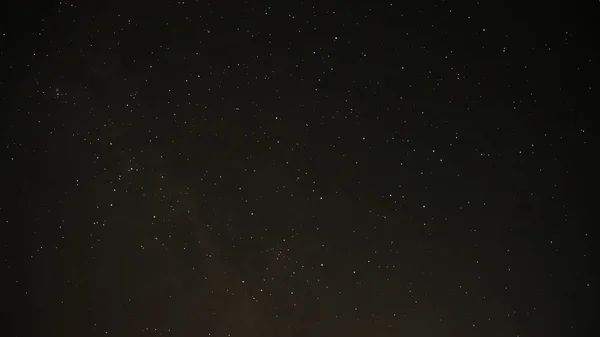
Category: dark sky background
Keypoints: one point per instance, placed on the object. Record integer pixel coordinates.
(321, 168)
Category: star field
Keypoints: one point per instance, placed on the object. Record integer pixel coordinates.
(187, 168)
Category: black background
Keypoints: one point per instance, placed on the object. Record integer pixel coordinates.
(324, 168)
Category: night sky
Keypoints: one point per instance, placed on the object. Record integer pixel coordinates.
(322, 169)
